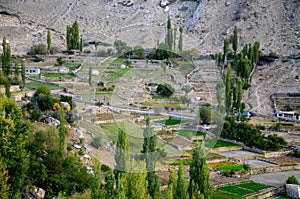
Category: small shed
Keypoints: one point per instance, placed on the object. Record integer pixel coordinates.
(32, 71)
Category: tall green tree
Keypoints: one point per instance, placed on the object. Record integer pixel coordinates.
(225, 50)
(68, 38)
(122, 153)
(13, 142)
(4, 186)
(182, 185)
(48, 40)
(180, 39)
(7, 89)
(136, 182)
(120, 191)
(90, 76)
(235, 40)
(151, 154)
(75, 36)
(172, 183)
(62, 132)
(228, 89)
(174, 39)
(169, 37)
(96, 192)
(199, 174)
(17, 73)
(23, 74)
(219, 94)
(81, 44)
(6, 58)
(110, 186)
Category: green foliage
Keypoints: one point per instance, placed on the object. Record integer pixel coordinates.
(199, 174)
(225, 49)
(23, 70)
(38, 49)
(72, 37)
(62, 132)
(7, 89)
(6, 58)
(165, 90)
(292, 180)
(205, 113)
(17, 73)
(48, 40)
(122, 153)
(180, 39)
(14, 134)
(122, 48)
(42, 91)
(228, 89)
(169, 35)
(4, 186)
(97, 141)
(60, 61)
(235, 40)
(139, 52)
(251, 137)
(162, 51)
(182, 185)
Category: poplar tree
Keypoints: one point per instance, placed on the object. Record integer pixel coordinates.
(68, 38)
(96, 180)
(122, 153)
(172, 183)
(81, 44)
(6, 54)
(219, 93)
(120, 192)
(151, 154)
(23, 74)
(199, 174)
(109, 186)
(174, 39)
(180, 39)
(225, 50)
(235, 40)
(7, 89)
(228, 89)
(90, 76)
(17, 73)
(48, 41)
(169, 37)
(182, 185)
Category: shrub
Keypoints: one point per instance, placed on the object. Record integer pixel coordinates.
(42, 90)
(38, 49)
(292, 180)
(54, 50)
(60, 61)
(97, 142)
(35, 115)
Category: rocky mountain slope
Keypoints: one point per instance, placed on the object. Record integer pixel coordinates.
(274, 23)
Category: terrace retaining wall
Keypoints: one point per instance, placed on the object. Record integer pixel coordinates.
(269, 193)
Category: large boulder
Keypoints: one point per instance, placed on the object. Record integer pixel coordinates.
(293, 190)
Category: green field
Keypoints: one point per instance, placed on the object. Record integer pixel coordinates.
(58, 76)
(186, 133)
(218, 143)
(35, 85)
(164, 98)
(172, 122)
(224, 195)
(226, 166)
(243, 189)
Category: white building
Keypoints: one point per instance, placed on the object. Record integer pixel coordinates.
(288, 115)
(32, 71)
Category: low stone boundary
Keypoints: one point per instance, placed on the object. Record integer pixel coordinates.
(266, 193)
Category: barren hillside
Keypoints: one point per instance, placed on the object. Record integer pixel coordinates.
(274, 23)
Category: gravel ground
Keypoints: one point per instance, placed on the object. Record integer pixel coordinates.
(275, 179)
(238, 153)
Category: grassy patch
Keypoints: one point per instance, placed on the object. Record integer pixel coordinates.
(58, 76)
(187, 133)
(211, 156)
(172, 122)
(164, 98)
(287, 164)
(35, 85)
(185, 162)
(226, 166)
(224, 195)
(236, 190)
(166, 105)
(218, 143)
(243, 189)
(253, 186)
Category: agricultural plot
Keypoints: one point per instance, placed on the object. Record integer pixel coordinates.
(188, 133)
(243, 189)
(218, 143)
(34, 85)
(226, 166)
(171, 122)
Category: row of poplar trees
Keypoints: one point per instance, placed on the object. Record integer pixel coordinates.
(6, 77)
(243, 63)
(73, 40)
(136, 179)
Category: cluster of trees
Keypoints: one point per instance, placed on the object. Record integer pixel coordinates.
(74, 42)
(243, 63)
(165, 90)
(6, 77)
(251, 137)
(123, 49)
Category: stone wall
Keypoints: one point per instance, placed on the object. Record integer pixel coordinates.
(293, 190)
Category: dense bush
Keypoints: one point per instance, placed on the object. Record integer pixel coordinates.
(251, 137)
(165, 90)
(292, 180)
(38, 49)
